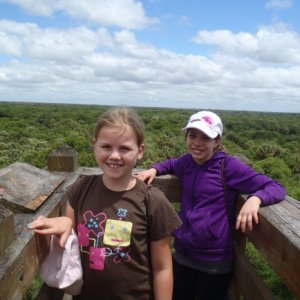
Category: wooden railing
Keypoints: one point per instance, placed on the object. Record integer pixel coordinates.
(276, 237)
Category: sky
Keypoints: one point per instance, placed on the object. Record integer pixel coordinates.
(214, 54)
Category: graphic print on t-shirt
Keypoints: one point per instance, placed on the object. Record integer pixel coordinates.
(117, 233)
(102, 238)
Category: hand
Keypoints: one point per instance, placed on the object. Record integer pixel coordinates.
(248, 212)
(148, 176)
(61, 226)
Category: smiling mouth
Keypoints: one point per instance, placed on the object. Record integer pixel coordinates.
(198, 151)
(113, 166)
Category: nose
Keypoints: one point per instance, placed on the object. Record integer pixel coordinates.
(114, 154)
(198, 140)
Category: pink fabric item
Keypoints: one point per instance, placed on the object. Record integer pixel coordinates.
(62, 267)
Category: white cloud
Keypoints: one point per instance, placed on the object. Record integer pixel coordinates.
(41, 8)
(127, 14)
(280, 4)
(274, 44)
(29, 40)
(227, 40)
(100, 65)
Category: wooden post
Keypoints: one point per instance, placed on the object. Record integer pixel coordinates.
(6, 228)
(63, 159)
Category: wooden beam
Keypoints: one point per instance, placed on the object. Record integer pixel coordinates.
(247, 281)
(21, 259)
(6, 228)
(277, 237)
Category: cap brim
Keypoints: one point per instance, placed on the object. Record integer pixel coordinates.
(206, 130)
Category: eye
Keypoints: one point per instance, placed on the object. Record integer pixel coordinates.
(206, 138)
(105, 147)
(125, 149)
(191, 135)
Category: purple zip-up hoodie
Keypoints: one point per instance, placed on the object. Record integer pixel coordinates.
(206, 233)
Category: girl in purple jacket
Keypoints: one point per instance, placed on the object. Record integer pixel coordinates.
(203, 258)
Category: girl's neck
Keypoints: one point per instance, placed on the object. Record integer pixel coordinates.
(119, 185)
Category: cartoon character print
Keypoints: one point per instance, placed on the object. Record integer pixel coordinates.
(116, 238)
(117, 233)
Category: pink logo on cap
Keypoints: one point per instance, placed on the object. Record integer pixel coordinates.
(208, 120)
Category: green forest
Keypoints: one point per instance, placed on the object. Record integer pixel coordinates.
(269, 141)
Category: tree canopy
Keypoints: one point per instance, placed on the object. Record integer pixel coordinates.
(270, 141)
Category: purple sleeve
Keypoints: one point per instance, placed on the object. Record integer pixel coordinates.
(171, 166)
(165, 167)
(246, 180)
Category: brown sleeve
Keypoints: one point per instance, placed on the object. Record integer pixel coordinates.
(162, 217)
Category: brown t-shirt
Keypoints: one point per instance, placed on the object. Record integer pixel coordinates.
(114, 230)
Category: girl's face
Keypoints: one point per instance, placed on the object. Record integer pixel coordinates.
(200, 145)
(116, 153)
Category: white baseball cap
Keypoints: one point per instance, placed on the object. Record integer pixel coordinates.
(207, 122)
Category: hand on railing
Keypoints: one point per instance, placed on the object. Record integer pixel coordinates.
(60, 226)
(147, 176)
(248, 213)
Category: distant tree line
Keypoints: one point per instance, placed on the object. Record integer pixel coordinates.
(270, 141)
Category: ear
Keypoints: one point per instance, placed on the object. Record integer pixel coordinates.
(93, 142)
(141, 151)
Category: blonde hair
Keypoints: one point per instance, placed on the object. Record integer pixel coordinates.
(121, 117)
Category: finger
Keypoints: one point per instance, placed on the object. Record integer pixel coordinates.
(243, 224)
(38, 222)
(44, 231)
(249, 224)
(63, 240)
(255, 217)
(238, 222)
(150, 180)
(35, 225)
(243, 227)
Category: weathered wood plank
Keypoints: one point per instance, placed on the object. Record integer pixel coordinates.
(277, 238)
(6, 228)
(22, 258)
(25, 188)
(63, 159)
(247, 280)
(170, 186)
